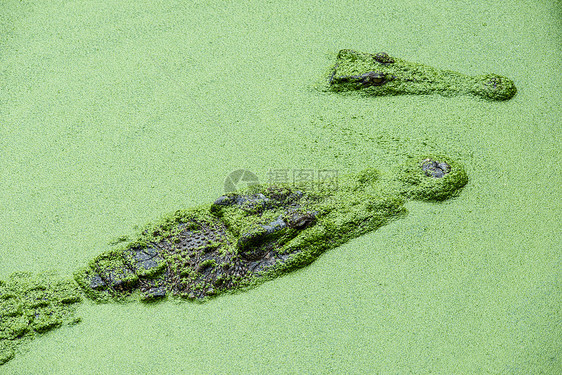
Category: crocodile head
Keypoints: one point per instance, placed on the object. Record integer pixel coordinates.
(381, 74)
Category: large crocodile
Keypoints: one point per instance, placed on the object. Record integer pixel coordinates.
(240, 240)
(381, 74)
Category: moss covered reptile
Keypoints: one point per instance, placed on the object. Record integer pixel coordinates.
(380, 74)
(240, 240)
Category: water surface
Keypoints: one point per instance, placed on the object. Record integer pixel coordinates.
(113, 113)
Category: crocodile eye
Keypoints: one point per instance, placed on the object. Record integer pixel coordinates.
(383, 58)
(373, 79)
(377, 78)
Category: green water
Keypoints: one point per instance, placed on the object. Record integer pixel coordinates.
(113, 113)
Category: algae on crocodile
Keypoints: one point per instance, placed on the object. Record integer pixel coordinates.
(33, 304)
(247, 237)
(239, 241)
(380, 74)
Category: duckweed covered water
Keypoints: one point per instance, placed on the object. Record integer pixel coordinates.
(113, 114)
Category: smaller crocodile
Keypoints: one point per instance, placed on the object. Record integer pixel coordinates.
(380, 74)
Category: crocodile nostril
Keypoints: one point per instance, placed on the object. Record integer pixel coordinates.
(435, 169)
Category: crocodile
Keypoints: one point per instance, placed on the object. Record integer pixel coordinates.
(380, 74)
(239, 241)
